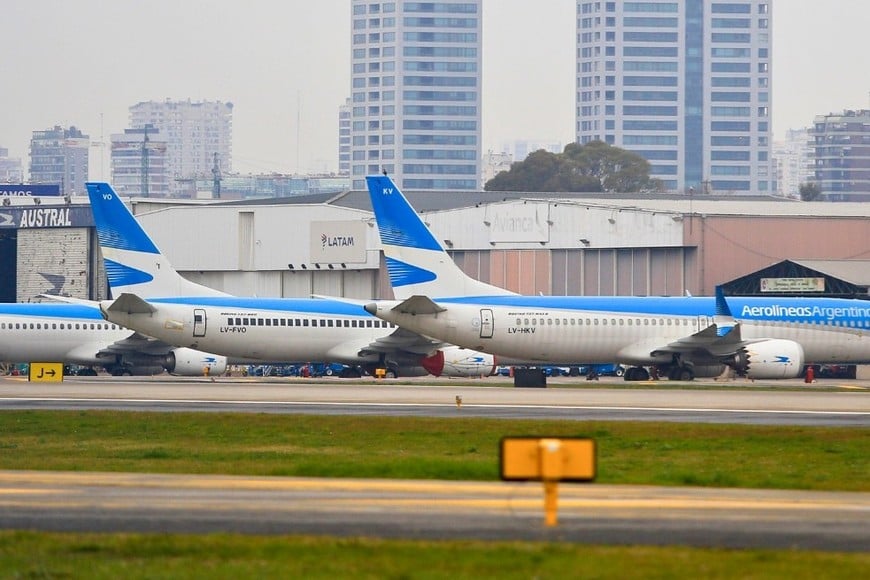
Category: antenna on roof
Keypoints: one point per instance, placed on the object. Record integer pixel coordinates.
(384, 171)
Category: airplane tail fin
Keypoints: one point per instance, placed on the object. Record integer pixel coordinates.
(416, 261)
(133, 263)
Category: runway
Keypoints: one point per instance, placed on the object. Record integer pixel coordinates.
(588, 513)
(480, 398)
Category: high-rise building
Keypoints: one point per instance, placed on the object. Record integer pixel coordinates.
(60, 156)
(11, 170)
(344, 138)
(415, 93)
(686, 84)
(841, 145)
(194, 132)
(139, 163)
(793, 159)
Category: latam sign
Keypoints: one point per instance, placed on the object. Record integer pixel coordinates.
(333, 242)
(29, 190)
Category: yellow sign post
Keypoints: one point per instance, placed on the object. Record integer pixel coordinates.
(550, 460)
(45, 372)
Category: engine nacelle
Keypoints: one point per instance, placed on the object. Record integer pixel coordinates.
(188, 362)
(771, 359)
(455, 361)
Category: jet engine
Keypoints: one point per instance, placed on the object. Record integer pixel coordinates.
(770, 359)
(188, 362)
(454, 361)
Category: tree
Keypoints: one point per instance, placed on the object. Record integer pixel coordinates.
(593, 167)
(810, 191)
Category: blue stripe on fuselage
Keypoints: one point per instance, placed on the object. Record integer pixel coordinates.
(48, 310)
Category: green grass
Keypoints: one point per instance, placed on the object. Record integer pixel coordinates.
(751, 456)
(132, 556)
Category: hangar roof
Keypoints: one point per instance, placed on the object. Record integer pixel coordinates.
(843, 278)
(855, 272)
(424, 201)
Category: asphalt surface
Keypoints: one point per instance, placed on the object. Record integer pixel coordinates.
(569, 399)
(588, 513)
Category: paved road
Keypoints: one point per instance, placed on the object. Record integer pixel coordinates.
(590, 513)
(752, 404)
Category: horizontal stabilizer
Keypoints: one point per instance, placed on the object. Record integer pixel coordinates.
(418, 305)
(69, 300)
(130, 304)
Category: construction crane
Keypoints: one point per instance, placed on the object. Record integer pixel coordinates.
(216, 178)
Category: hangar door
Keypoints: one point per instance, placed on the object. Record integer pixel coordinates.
(52, 261)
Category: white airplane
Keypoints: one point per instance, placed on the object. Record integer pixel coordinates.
(684, 337)
(153, 298)
(78, 334)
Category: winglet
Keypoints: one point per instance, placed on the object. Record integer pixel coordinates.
(722, 308)
(133, 262)
(724, 319)
(417, 263)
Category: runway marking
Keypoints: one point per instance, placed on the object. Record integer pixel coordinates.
(293, 493)
(432, 405)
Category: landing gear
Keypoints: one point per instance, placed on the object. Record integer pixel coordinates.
(681, 373)
(635, 374)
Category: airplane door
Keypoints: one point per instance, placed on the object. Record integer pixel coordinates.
(485, 323)
(198, 322)
(704, 322)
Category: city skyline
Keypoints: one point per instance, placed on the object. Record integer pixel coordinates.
(287, 63)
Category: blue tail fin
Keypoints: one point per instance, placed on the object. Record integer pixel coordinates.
(417, 263)
(134, 264)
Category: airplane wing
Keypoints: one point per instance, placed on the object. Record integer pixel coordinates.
(137, 343)
(708, 342)
(402, 341)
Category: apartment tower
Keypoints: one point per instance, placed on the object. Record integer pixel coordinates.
(684, 84)
(415, 93)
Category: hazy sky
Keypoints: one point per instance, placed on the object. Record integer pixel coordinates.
(286, 68)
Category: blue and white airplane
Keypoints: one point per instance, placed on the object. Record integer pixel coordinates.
(153, 298)
(78, 334)
(684, 337)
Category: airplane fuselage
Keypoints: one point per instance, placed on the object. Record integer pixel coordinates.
(631, 330)
(274, 330)
(55, 333)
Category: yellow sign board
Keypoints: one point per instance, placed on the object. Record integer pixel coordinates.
(547, 459)
(45, 372)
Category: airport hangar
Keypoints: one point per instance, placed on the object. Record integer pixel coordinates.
(559, 244)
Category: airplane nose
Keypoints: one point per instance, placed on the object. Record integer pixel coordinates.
(371, 308)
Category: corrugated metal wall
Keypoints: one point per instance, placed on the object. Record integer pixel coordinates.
(53, 260)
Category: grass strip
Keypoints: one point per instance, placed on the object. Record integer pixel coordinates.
(749, 456)
(132, 556)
